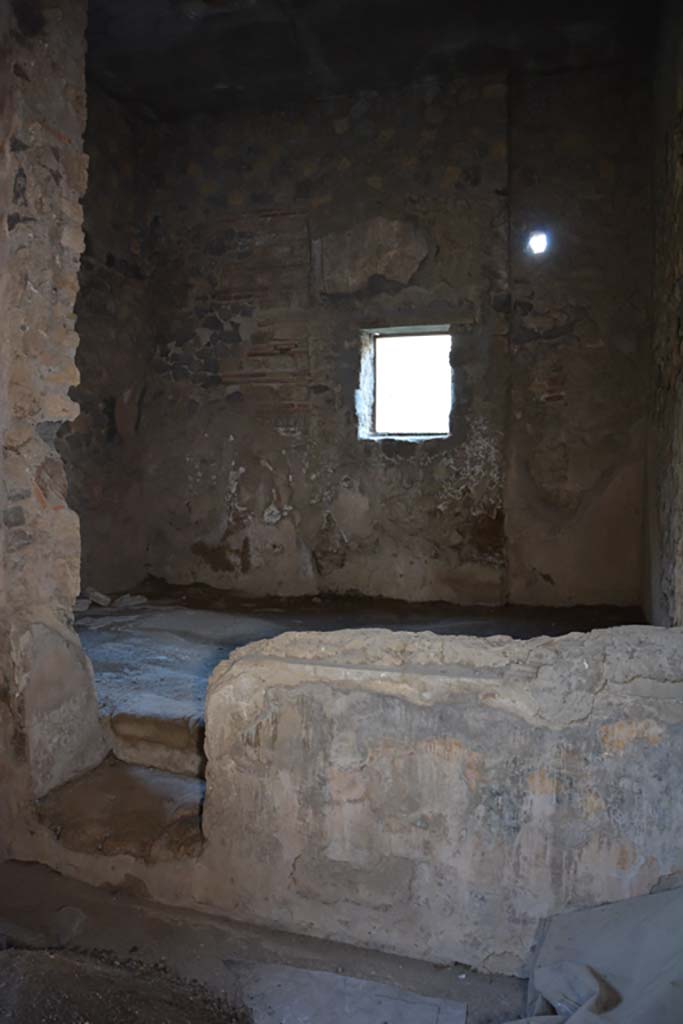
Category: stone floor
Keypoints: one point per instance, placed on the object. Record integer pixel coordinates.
(50, 987)
(152, 664)
(292, 996)
(280, 978)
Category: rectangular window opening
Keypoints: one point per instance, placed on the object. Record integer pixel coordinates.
(406, 384)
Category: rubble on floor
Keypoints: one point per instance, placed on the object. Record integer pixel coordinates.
(48, 987)
(130, 601)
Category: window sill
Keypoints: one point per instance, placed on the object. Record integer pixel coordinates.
(410, 438)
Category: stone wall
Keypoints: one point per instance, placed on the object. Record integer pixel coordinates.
(10, 787)
(665, 449)
(280, 237)
(115, 315)
(265, 243)
(579, 337)
(48, 716)
(438, 796)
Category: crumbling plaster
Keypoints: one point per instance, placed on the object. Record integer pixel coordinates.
(301, 234)
(266, 243)
(438, 796)
(49, 727)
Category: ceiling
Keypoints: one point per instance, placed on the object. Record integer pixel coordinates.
(174, 57)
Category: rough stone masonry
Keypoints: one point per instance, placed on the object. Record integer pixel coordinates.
(49, 728)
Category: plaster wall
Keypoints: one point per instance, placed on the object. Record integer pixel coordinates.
(580, 334)
(285, 242)
(49, 728)
(115, 313)
(265, 243)
(439, 796)
(664, 594)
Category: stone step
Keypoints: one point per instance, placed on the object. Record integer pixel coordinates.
(122, 808)
(157, 741)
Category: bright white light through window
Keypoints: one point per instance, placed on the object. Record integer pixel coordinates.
(413, 389)
(538, 242)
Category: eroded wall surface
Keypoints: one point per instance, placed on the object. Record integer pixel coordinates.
(265, 243)
(438, 796)
(48, 712)
(580, 335)
(116, 315)
(9, 789)
(665, 448)
(281, 237)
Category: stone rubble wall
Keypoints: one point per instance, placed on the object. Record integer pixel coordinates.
(49, 728)
(437, 796)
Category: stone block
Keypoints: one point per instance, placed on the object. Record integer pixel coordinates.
(62, 726)
(438, 796)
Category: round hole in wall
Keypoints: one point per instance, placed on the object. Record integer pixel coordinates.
(537, 243)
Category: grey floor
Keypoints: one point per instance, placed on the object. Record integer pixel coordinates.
(289, 995)
(281, 978)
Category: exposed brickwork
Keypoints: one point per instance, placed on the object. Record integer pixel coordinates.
(255, 479)
(260, 213)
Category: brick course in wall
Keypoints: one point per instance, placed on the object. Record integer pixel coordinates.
(268, 242)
